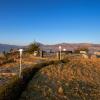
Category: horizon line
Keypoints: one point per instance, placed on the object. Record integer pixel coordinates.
(51, 43)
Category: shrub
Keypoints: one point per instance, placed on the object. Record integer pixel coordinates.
(33, 47)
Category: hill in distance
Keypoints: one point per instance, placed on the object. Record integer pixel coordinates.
(55, 47)
(7, 47)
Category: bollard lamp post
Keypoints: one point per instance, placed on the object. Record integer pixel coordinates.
(64, 49)
(60, 51)
(20, 67)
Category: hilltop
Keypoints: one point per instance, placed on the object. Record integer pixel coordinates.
(74, 79)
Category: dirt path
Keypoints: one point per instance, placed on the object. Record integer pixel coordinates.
(14, 91)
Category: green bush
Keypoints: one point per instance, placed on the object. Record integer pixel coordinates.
(33, 47)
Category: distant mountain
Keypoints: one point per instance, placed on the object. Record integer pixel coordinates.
(55, 47)
(71, 46)
(7, 47)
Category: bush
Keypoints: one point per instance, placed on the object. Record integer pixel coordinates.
(33, 47)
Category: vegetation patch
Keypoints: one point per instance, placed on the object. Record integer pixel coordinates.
(15, 86)
(78, 79)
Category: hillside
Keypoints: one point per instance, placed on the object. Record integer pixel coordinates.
(7, 47)
(74, 79)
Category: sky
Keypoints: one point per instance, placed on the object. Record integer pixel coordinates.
(49, 21)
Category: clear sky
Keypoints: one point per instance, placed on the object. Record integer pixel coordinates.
(49, 21)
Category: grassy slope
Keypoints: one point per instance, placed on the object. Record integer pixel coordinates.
(78, 79)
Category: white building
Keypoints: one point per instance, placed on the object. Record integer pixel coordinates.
(97, 53)
(83, 52)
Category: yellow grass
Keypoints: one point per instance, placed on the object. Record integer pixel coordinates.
(77, 79)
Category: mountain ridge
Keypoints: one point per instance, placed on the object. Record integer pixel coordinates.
(7, 47)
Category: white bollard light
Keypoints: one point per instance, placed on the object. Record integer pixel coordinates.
(64, 49)
(20, 69)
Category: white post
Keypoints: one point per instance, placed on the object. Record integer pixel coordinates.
(60, 51)
(20, 69)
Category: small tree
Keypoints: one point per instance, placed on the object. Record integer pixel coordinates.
(34, 47)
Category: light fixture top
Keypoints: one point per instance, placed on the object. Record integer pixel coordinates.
(64, 49)
(59, 47)
(20, 50)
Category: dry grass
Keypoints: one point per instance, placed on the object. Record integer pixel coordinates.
(8, 70)
(78, 79)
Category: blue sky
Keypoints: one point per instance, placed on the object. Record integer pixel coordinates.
(49, 21)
